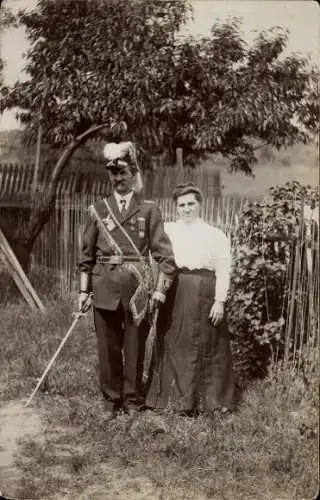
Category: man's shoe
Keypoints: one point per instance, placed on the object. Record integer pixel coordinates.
(111, 409)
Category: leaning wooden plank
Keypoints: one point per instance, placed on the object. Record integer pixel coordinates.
(20, 277)
(17, 279)
(18, 274)
(22, 282)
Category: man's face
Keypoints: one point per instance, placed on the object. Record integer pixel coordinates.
(188, 208)
(122, 179)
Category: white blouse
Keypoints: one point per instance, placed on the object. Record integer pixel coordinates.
(198, 245)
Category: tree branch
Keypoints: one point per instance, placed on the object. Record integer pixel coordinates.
(42, 214)
(262, 145)
(69, 150)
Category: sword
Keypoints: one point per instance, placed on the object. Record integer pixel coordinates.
(77, 316)
(149, 345)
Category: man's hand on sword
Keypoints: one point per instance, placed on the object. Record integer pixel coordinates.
(84, 301)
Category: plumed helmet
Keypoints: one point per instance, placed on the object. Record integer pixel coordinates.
(120, 154)
(111, 151)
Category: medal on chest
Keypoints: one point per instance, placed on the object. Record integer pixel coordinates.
(133, 223)
(108, 222)
(141, 226)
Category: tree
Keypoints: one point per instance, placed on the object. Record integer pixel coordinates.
(7, 19)
(94, 64)
(237, 99)
(81, 62)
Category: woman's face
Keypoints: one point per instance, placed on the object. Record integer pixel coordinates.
(188, 208)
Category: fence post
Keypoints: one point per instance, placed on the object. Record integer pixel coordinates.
(66, 237)
(36, 171)
(179, 161)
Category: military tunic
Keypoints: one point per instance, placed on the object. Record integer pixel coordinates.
(120, 336)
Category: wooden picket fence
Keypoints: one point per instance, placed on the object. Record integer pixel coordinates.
(82, 182)
(58, 245)
(92, 179)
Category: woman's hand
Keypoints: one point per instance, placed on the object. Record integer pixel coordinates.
(216, 313)
(157, 299)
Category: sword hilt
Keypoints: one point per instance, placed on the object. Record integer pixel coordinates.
(83, 311)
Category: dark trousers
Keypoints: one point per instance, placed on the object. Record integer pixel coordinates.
(121, 346)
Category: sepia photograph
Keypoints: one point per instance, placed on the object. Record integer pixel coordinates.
(159, 249)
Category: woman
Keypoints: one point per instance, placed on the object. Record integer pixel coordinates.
(192, 365)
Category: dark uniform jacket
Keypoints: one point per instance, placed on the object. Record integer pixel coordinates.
(112, 283)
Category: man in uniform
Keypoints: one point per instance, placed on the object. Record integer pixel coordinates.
(120, 234)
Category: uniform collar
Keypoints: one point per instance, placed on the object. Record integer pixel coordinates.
(132, 207)
(126, 197)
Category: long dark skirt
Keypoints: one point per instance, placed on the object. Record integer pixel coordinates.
(192, 361)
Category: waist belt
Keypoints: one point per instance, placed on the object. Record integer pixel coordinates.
(119, 259)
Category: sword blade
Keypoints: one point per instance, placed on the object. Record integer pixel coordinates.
(149, 346)
(64, 340)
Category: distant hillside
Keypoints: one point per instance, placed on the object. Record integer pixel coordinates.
(12, 150)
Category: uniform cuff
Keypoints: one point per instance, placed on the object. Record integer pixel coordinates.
(85, 282)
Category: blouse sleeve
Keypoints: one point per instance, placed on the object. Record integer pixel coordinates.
(222, 266)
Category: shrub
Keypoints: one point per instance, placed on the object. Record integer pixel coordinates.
(272, 300)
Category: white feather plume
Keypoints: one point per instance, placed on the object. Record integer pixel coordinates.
(138, 185)
(125, 147)
(112, 151)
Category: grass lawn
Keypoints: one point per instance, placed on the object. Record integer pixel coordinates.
(267, 450)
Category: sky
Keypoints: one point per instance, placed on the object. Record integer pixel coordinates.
(301, 17)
